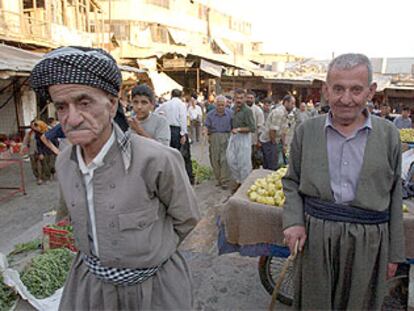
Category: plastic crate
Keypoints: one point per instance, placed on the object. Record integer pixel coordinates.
(58, 238)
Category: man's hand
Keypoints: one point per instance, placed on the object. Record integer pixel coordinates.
(41, 157)
(235, 130)
(391, 269)
(292, 234)
(135, 124)
(183, 140)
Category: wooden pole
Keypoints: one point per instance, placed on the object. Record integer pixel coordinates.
(17, 101)
(198, 80)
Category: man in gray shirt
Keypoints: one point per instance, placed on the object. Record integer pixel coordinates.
(403, 121)
(146, 123)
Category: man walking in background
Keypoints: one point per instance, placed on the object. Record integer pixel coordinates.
(218, 124)
(273, 138)
(239, 149)
(403, 121)
(175, 111)
(196, 115)
(258, 117)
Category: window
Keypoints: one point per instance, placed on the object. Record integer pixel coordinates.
(31, 4)
(161, 3)
(159, 34)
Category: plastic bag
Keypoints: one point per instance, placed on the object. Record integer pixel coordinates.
(238, 156)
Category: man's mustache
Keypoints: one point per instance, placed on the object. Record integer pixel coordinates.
(69, 129)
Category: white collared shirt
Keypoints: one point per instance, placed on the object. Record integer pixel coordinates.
(176, 113)
(87, 172)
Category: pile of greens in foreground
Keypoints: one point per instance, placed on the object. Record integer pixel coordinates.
(47, 272)
(7, 296)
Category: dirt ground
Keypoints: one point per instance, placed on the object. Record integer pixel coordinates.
(229, 282)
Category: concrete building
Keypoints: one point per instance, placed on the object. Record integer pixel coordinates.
(142, 26)
(45, 24)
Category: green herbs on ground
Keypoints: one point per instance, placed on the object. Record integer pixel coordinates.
(201, 172)
(47, 272)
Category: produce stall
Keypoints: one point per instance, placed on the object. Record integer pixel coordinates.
(255, 229)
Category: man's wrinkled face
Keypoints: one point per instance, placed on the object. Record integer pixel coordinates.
(239, 99)
(84, 112)
(266, 107)
(220, 106)
(250, 99)
(142, 106)
(347, 92)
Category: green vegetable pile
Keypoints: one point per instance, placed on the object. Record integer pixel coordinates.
(201, 172)
(47, 272)
(26, 247)
(7, 296)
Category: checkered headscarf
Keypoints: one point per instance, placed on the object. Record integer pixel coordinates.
(76, 65)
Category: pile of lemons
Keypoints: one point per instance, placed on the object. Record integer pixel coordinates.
(268, 190)
(407, 135)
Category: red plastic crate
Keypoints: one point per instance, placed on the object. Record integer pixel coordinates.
(58, 238)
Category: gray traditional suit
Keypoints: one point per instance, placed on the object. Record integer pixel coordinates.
(343, 265)
(144, 208)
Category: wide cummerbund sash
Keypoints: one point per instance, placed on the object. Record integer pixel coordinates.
(117, 276)
(343, 213)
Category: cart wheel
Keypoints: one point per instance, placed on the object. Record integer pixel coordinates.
(269, 270)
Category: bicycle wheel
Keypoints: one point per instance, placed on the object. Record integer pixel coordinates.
(269, 270)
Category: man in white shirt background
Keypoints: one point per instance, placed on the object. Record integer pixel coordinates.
(175, 111)
(196, 115)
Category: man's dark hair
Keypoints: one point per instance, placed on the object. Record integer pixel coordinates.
(287, 98)
(405, 108)
(50, 120)
(267, 100)
(194, 95)
(143, 90)
(176, 93)
(250, 92)
(239, 91)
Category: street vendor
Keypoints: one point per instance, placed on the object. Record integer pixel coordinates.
(343, 197)
(129, 199)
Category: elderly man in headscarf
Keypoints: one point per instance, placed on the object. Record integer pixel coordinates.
(128, 197)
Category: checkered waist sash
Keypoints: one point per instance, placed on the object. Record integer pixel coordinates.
(118, 276)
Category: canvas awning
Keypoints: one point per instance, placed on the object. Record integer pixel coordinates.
(222, 46)
(17, 61)
(162, 83)
(213, 69)
(179, 37)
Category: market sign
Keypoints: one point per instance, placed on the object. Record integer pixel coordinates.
(173, 63)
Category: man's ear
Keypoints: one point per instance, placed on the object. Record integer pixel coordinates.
(325, 90)
(372, 90)
(114, 105)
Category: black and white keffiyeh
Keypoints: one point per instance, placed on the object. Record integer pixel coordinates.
(76, 65)
(118, 276)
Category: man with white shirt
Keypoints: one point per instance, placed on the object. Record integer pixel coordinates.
(128, 197)
(175, 111)
(196, 115)
(259, 121)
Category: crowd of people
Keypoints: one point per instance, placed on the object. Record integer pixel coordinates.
(126, 181)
